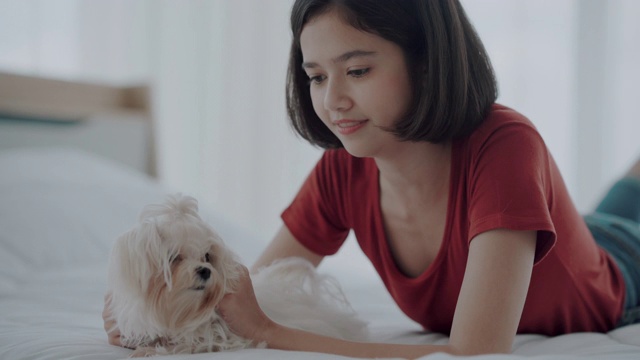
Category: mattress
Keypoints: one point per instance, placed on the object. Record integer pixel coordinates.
(61, 210)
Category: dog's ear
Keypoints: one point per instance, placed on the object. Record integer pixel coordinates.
(136, 257)
(226, 262)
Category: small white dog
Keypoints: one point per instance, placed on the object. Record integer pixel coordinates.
(167, 275)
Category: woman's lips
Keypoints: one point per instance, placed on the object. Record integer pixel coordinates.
(349, 126)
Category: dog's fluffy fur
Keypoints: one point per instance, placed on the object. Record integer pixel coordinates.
(167, 275)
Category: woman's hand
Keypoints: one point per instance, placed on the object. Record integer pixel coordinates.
(242, 313)
(110, 326)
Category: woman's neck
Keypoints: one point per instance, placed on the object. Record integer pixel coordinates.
(416, 169)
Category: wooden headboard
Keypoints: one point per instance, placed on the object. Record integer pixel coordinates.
(111, 121)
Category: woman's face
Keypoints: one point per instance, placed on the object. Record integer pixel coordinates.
(359, 82)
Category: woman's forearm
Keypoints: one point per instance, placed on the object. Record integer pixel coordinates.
(284, 338)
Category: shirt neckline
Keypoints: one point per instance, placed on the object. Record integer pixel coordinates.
(390, 264)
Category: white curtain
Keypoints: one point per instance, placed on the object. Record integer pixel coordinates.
(218, 70)
(571, 67)
(220, 98)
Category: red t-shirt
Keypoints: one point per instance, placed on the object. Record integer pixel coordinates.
(502, 176)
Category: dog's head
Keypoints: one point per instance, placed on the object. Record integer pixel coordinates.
(169, 272)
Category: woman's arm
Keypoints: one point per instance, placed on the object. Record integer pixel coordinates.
(487, 313)
(283, 245)
(244, 316)
(493, 292)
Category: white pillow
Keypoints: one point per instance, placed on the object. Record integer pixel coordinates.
(65, 207)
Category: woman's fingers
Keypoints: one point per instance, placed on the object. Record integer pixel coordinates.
(241, 311)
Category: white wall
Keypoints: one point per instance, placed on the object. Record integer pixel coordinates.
(218, 71)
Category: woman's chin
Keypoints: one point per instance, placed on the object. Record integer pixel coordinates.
(358, 151)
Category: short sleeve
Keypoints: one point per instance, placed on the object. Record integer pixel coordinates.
(317, 217)
(510, 184)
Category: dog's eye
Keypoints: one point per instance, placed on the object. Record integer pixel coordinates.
(207, 258)
(174, 259)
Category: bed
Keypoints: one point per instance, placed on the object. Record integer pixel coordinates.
(64, 202)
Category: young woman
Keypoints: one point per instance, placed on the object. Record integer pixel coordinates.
(454, 199)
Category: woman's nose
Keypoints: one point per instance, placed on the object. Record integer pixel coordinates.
(336, 97)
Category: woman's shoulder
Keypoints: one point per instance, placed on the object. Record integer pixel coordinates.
(502, 120)
(501, 116)
(504, 133)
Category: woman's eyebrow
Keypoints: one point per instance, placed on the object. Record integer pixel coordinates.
(342, 58)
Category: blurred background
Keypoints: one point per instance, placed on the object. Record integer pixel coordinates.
(217, 73)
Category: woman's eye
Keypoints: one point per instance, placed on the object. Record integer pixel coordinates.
(318, 79)
(359, 72)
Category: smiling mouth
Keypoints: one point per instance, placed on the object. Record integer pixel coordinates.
(345, 123)
(198, 288)
(346, 127)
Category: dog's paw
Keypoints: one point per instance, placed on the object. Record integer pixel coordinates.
(146, 351)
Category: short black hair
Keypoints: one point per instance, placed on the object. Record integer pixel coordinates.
(452, 78)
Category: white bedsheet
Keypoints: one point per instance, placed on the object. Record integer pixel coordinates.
(60, 211)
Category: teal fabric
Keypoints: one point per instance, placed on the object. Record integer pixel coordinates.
(615, 225)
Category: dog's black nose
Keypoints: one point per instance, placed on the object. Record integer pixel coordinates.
(203, 272)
